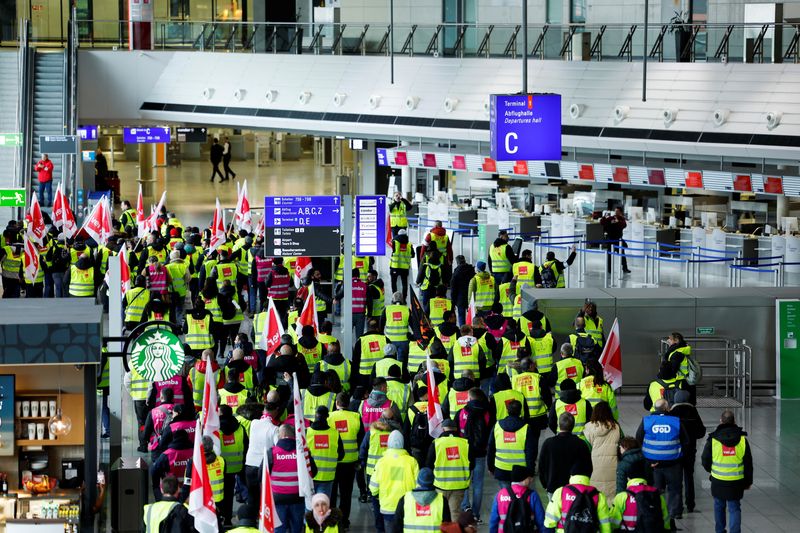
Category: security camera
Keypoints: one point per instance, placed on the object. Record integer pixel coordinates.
(450, 104)
(239, 94)
(338, 99)
(773, 119)
(411, 103)
(271, 96)
(620, 112)
(669, 115)
(208, 93)
(374, 101)
(304, 97)
(575, 111)
(720, 116)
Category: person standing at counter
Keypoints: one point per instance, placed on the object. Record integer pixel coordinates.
(614, 225)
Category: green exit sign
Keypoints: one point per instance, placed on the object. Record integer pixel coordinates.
(705, 331)
(10, 139)
(12, 197)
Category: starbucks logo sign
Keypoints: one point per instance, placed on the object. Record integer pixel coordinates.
(157, 354)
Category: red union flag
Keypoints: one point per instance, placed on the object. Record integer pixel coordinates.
(210, 413)
(31, 259)
(217, 229)
(611, 358)
(63, 218)
(308, 316)
(268, 519)
(98, 224)
(140, 220)
(471, 311)
(201, 499)
(242, 217)
(271, 331)
(435, 415)
(301, 269)
(36, 226)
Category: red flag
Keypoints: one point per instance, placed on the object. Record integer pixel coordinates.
(140, 220)
(151, 224)
(308, 316)
(435, 415)
(97, 224)
(242, 217)
(63, 218)
(268, 517)
(306, 488)
(217, 229)
(36, 227)
(31, 259)
(271, 330)
(471, 311)
(125, 271)
(210, 413)
(260, 228)
(611, 358)
(301, 268)
(201, 499)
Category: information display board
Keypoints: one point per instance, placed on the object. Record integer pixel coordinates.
(302, 225)
(192, 135)
(146, 135)
(87, 133)
(58, 144)
(370, 225)
(525, 126)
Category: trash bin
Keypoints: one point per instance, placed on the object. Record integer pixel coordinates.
(129, 492)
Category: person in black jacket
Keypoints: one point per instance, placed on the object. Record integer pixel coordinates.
(563, 455)
(631, 463)
(216, 159)
(614, 225)
(512, 423)
(476, 424)
(728, 437)
(690, 419)
(459, 287)
(178, 520)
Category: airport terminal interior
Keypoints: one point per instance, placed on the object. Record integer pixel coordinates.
(550, 248)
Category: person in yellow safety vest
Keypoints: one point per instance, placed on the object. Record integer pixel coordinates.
(568, 367)
(310, 348)
(128, 217)
(374, 445)
(439, 305)
(11, 256)
(139, 389)
(482, 288)
(677, 354)
(513, 442)
(431, 275)
(422, 509)
(351, 433)
(385, 364)
(247, 515)
(552, 270)
(225, 270)
(101, 256)
(438, 236)
(398, 391)
(395, 319)
(448, 332)
(501, 258)
(179, 283)
(169, 514)
(400, 262)
(322, 518)
(215, 465)
(174, 238)
(234, 441)
(727, 457)
(467, 354)
(395, 474)
(324, 336)
(458, 396)
(525, 273)
(452, 461)
(583, 344)
(237, 361)
(81, 278)
(570, 401)
(208, 266)
(506, 298)
(134, 303)
(531, 316)
(232, 315)
(35, 289)
(503, 395)
(512, 341)
(197, 376)
(398, 213)
(593, 323)
(376, 296)
(557, 511)
(595, 389)
(327, 449)
(536, 392)
(367, 350)
(233, 393)
(335, 361)
(318, 394)
(664, 386)
(541, 343)
(198, 326)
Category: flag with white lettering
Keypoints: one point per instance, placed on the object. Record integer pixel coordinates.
(435, 414)
(63, 218)
(201, 497)
(271, 331)
(242, 216)
(306, 488)
(210, 413)
(31, 260)
(141, 222)
(308, 316)
(611, 358)
(36, 227)
(268, 516)
(217, 238)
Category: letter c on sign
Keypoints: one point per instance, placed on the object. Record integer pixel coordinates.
(509, 148)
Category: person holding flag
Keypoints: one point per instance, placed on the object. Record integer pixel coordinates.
(11, 258)
(33, 269)
(62, 215)
(202, 496)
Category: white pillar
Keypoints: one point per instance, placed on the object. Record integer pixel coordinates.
(405, 177)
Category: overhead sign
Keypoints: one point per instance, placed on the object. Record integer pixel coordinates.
(58, 144)
(10, 139)
(192, 135)
(525, 127)
(148, 134)
(12, 198)
(87, 133)
(370, 225)
(157, 355)
(706, 330)
(302, 225)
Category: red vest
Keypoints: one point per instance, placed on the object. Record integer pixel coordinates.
(158, 278)
(370, 414)
(187, 425)
(158, 415)
(567, 497)
(175, 383)
(263, 266)
(178, 459)
(629, 515)
(279, 289)
(359, 296)
(504, 502)
(284, 471)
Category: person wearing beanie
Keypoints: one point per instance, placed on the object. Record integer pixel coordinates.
(318, 394)
(351, 432)
(513, 442)
(502, 395)
(395, 318)
(312, 350)
(482, 289)
(422, 507)
(570, 401)
(459, 288)
(666, 386)
(521, 480)
(395, 474)
(382, 366)
(322, 517)
(452, 461)
(325, 446)
(248, 519)
(690, 419)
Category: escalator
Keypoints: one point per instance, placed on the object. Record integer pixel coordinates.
(9, 120)
(49, 108)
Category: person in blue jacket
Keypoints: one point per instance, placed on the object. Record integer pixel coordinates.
(521, 480)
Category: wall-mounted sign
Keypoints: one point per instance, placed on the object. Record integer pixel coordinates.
(525, 126)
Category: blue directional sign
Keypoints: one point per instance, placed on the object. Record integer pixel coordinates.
(525, 127)
(370, 225)
(302, 225)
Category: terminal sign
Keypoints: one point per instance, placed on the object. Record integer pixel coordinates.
(525, 127)
(302, 225)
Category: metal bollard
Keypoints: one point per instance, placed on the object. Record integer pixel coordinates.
(687, 273)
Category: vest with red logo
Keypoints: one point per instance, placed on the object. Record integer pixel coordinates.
(568, 496)
(178, 459)
(175, 383)
(359, 296)
(629, 514)
(279, 288)
(504, 502)
(158, 278)
(189, 426)
(284, 471)
(263, 266)
(252, 360)
(158, 416)
(370, 414)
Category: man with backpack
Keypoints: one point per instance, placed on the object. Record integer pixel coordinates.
(640, 507)
(578, 507)
(419, 437)
(552, 270)
(663, 439)
(519, 508)
(583, 344)
(679, 356)
(664, 387)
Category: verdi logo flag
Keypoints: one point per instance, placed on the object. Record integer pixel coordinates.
(157, 355)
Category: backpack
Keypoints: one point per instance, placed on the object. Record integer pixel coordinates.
(582, 514)
(419, 437)
(549, 280)
(669, 390)
(585, 348)
(695, 373)
(649, 516)
(476, 430)
(519, 517)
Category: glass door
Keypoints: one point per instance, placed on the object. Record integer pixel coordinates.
(455, 12)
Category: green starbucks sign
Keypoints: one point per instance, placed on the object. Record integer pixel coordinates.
(157, 354)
